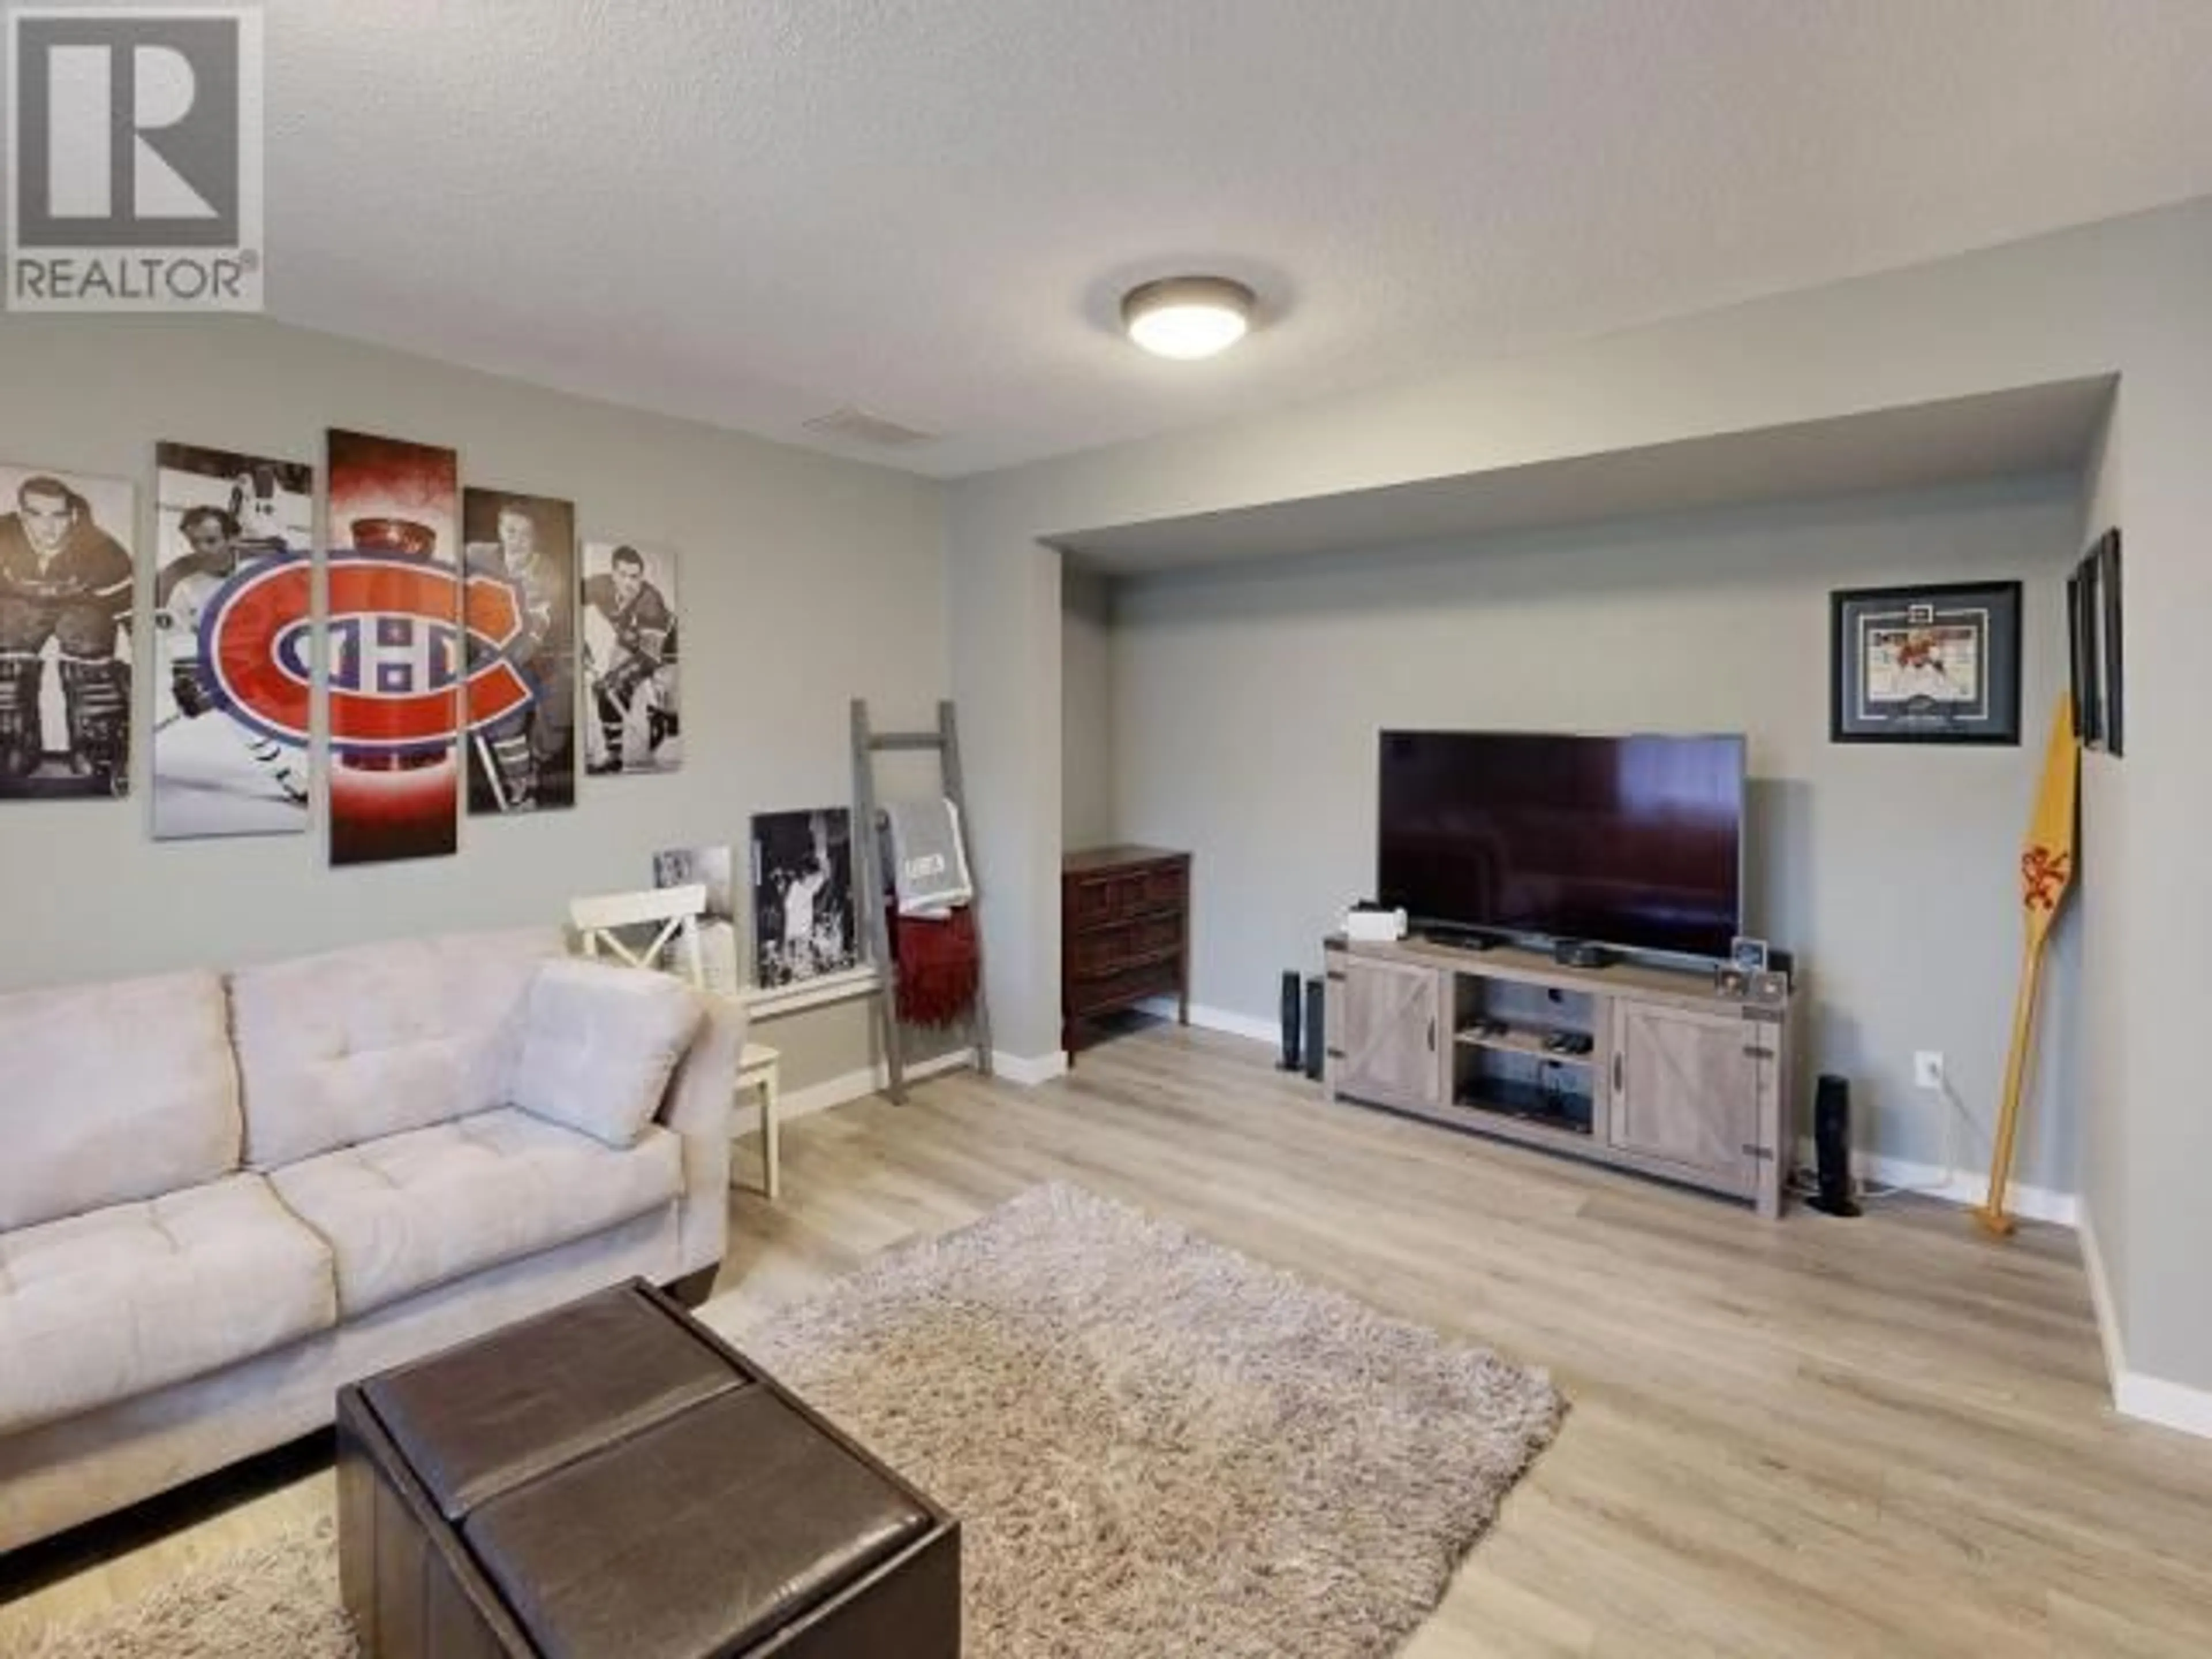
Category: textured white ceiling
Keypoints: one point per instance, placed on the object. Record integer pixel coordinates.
(755, 212)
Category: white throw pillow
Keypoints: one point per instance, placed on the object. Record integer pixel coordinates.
(598, 1044)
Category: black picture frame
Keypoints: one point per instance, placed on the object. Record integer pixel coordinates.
(2094, 612)
(2074, 650)
(1888, 679)
(805, 924)
(2082, 639)
(2111, 655)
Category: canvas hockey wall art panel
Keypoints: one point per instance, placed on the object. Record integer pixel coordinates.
(66, 577)
(233, 634)
(395, 652)
(633, 719)
(523, 759)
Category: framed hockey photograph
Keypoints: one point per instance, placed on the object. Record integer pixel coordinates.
(1930, 664)
(803, 922)
(395, 614)
(633, 715)
(522, 758)
(233, 637)
(66, 582)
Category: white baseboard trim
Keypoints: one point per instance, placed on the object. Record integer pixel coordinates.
(2148, 1399)
(2101, 1298)
(2032, 1203)
(1956, 1186)
(1269, 1031)
(2169, 1404)
(851, 1086)
(859, 1085)
(1030, 1070)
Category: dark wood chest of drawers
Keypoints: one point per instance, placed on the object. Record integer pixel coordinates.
(1124, 934)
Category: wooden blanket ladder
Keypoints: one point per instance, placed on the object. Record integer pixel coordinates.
(872, 880)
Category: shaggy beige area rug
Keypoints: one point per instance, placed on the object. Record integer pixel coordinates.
(279, 1599)
(1156, 1446)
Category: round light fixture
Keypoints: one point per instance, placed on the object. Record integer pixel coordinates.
(1187, 317)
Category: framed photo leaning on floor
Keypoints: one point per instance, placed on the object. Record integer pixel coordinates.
(1938, 663)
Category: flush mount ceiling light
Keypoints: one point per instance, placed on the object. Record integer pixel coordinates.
(1187, 317)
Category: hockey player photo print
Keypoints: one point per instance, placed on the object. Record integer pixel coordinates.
(803, 922)
(631, 717)
(526, 760)
(65, 592)
(233, 602)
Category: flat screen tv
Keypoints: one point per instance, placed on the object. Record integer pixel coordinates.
(1631, 842)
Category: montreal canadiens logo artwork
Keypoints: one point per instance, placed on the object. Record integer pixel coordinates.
(401, 647)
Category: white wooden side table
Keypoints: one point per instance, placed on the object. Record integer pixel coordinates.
(757, 1070)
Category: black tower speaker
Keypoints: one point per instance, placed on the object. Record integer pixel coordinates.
(1293, 1001)
(1317, 1033)
(1831, 1147)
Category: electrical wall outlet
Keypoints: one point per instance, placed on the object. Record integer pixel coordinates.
(1927, 1069)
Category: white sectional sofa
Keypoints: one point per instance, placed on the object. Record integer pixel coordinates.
(221, 1197)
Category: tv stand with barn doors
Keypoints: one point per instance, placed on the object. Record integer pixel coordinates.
(1642, 1067)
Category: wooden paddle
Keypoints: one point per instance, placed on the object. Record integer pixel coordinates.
(2046, 876)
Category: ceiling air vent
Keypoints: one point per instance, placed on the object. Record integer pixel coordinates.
(857, 425)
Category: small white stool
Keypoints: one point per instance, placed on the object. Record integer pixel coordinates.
(758, 1069)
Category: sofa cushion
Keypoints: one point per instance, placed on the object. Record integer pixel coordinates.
(416, 1209)
(102, 1307)
(598, 1044)
(347, 1047)
(113, 1092)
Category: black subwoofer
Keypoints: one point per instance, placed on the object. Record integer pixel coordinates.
(1293, 1001)
(1314, 1042)
(1831, 1148)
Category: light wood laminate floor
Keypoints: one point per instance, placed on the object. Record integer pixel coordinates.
(1888, 1436)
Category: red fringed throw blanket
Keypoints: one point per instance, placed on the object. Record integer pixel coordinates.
(939, 967)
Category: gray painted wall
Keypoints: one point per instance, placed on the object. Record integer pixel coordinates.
(1248, 700)
(1007, 620)
(1086, 700)
(806, 580)
(2125, 297)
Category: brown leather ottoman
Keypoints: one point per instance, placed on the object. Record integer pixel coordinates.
(610, 1479)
